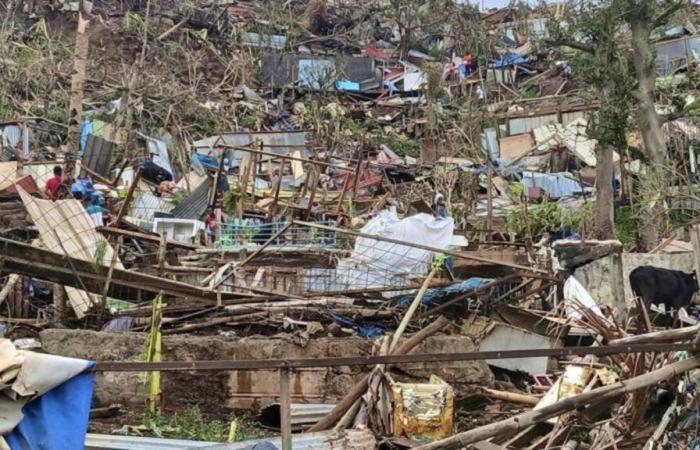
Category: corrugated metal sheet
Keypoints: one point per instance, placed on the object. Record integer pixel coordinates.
(527, 124)
(282, 69)
(344, 440)
(113, 442)
(97, 156)
(193, 206)
(146, 204)
(296, 140)
(328, 440)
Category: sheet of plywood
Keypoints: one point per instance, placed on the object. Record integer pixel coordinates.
(67, 229)
(513, 147)
(8, 173)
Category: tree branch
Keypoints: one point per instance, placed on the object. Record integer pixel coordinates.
(672, 8)
(573, 44)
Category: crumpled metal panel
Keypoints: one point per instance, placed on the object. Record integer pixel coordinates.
(326, 440)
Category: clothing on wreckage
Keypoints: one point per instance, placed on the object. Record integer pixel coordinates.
(655, 285)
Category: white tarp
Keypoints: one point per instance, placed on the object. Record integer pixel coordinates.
(576, 297)
(376, 263)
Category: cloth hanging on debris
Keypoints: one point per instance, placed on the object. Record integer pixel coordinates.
(575, 297)
(45, 402)
(376, 263)
(435, 296)
(556, 185)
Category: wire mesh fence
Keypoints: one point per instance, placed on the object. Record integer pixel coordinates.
(252, 234)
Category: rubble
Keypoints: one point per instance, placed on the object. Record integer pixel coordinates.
(275, 187)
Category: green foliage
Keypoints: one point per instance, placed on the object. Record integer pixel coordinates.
(191, 424)
(231, 198)
(399, 144)
(625, 225)
(549, 215)
(133, 24)
(100, 252)
(539, 218)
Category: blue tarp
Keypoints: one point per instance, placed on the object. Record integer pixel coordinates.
(57, 420)
(556, 185)
(204, 161)
(364, 330)
(509, 59)
(437, 295)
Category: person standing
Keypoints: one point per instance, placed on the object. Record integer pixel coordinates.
(53, 184)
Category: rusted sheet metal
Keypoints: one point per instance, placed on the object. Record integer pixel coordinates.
(97, 156)
(423, 409)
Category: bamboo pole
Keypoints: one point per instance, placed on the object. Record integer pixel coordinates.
(360, 388)
(524, 420)
(659, 336)
(512, 396)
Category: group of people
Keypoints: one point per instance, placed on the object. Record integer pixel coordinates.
(62, 186)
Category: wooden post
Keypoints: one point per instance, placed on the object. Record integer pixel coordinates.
(273, 207)
(489, 193)
(313, 175)
(695, 239)
(618, 285)
(285, 409)
(346, 185)
(75, 107)
(103, 303)
(127, 200)
(161, 253)
(59, 303)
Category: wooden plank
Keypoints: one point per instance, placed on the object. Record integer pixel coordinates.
(147, 237)
(285, 409)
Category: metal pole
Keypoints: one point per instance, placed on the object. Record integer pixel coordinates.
(285, 409)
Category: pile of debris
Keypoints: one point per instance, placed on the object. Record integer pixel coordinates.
(382, 183)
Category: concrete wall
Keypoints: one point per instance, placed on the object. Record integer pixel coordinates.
(244, 389)
(596, 276)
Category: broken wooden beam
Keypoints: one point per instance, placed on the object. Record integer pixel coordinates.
(360, 388)
(25, 259)
(524, 420)
(153, 238)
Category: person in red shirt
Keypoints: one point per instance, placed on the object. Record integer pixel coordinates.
(53, 184)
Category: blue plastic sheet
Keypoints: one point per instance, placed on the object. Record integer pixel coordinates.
(556, 185)
(57, 420)
(364, 330)
(435, 296)
(509, 59)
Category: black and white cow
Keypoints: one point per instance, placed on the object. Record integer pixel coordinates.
(674, 288)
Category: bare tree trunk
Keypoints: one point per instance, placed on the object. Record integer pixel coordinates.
(643, 59)
(75, 108)
(313, 15)
(604, 228)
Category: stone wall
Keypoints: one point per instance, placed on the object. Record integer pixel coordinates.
(244, 389)
(596, 276)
